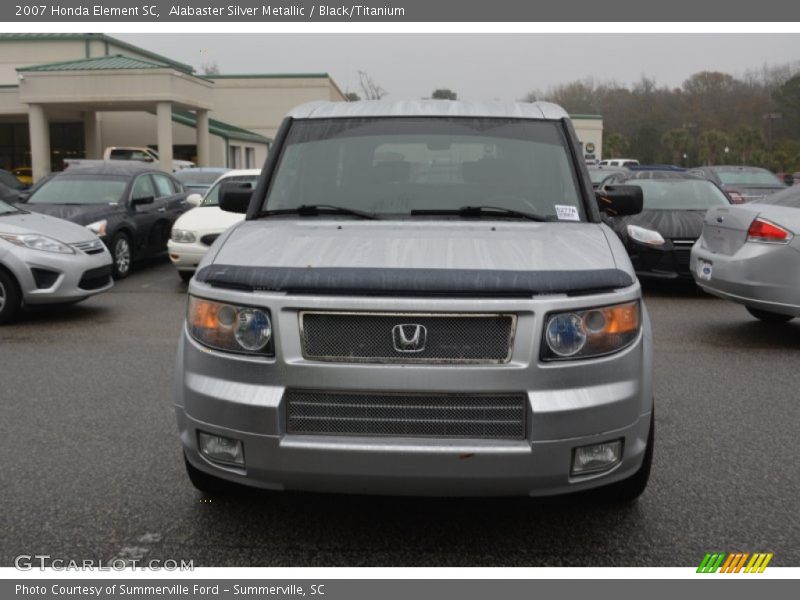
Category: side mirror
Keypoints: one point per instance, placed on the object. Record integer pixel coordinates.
(620, 200)
(235, 197)
(194, 199)
(142, 200)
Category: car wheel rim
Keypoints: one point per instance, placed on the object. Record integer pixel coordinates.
(2, 297)
(122, 255)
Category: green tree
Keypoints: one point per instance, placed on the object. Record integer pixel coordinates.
(787, 99)
(444, 94)
(711, 146)
(746, 140)
(615, 145)
(676, 143)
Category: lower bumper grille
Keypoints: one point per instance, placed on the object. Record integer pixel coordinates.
(95, 278)
(483, 416)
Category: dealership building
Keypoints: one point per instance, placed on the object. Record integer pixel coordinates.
(72, 95)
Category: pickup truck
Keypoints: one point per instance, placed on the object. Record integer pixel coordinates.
(142, 154)
(422, 299)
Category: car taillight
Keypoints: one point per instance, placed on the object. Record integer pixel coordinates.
(763, 231)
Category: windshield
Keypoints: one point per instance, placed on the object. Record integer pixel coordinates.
(790, 197)
(212, 197)
(749, 177)
(7, 208)
(392, 166)
(597, 175)
(679, 194)
(10, 180)
(89, 189)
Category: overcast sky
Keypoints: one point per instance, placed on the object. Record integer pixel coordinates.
(477, 66)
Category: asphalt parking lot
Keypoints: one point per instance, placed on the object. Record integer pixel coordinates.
(92, 466)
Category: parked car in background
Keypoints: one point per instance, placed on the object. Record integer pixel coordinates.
(24, 175)
(743, 184)
(44, 260)
(660, 238)
(197, 180)
(130, 207)
(619, 162)
(750, 254)
(10, 181)
(599, 173)
(10, 195)
(195, 231)
(142, 154)
(422, 300)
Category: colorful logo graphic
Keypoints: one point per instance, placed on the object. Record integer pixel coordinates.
(736, 562)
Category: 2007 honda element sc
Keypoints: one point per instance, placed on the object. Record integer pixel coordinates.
(422, 300)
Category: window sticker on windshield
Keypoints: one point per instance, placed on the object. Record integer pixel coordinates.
(567, 213)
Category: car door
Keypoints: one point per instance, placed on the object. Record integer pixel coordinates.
(171, 203)
(145, 213)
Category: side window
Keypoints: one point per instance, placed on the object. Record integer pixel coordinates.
(143, 187)
(164, 186)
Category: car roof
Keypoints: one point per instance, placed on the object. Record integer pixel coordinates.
(240, 173)
(128, 169)
(428, 108)
(729, 168)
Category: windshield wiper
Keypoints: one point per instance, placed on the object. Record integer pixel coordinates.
(313, 210)
(482, 211)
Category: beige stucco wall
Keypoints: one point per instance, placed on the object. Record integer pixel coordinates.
(590, 131)
(129, 86)
(259, 104)
(139, 129)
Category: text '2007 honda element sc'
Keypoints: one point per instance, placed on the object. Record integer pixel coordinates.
(422, 300)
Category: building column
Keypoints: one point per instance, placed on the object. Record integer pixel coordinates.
(39, 129)
(203, 139)
(91, 135)
(164, 135)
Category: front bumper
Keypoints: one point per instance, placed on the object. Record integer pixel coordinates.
(761, 276)
(665, 262)
(68, 277)
(569, 404)
(186, 257)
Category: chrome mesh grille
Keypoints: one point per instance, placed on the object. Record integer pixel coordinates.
(90, 247)
(484, 416)
(373, 337)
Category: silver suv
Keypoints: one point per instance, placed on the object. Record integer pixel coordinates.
(422, 300)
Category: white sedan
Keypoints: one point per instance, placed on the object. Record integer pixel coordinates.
(195, 231)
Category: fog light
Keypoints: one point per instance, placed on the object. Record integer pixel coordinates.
(221, 449)
(596, 458)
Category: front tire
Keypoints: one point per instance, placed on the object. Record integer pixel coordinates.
(122, 254)
(10, 298)
(208, 484)
(769, 317)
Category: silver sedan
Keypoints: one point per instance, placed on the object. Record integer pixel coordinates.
(44, 260)
(750, 254)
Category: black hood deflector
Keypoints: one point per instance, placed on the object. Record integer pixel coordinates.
(342, 281)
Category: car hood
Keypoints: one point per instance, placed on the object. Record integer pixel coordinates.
(495, 257)
(671, 224)
(82, 214)
(207, 218)
(59, 229)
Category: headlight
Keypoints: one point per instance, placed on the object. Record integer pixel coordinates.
(183, 237)
(590, 332)
(241, 329)
(34, 241)
(645, 236)
(98, 227)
